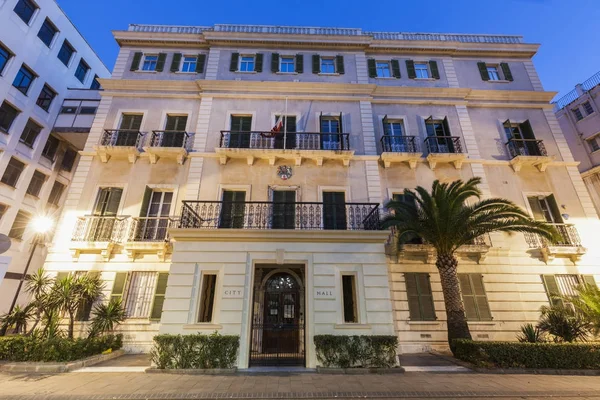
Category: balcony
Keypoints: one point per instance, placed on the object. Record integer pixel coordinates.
(528, 152)
(400, 149)
(97, 234)
(568, 246)
(445, 149)
(149, 235)
(294, 146)
(168, 145)
(270, 215)
(119, 143)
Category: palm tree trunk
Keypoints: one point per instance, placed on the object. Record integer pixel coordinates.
(455, 312)
(71, 324)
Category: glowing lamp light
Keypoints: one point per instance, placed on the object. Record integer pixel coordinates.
(42, 224)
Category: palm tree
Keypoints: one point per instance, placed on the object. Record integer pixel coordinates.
(587, 302)
(17, 318)
(38, 285)
(445, 220)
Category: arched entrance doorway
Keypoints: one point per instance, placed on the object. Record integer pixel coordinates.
(278, 317)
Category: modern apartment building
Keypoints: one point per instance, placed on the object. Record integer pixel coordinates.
(42, 57)
(577, 114)
(204, 211)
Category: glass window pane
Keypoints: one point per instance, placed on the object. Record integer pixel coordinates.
(65, 53)
(25, 10)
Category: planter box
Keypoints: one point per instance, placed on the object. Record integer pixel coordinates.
(213, 371)
(57, 367)
(360, 371)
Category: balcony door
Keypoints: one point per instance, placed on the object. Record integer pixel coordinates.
(154, 220)
(241, 125)
(520, 139)
(174, 135)
(544, 208)
(105, 211)
(129, 129)
(233, 209)
(439, 136)
(284, 209)
(334, 210)
(393, 129)
(331, 128)
(287, 138)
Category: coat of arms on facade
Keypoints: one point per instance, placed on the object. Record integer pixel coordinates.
(284, 172)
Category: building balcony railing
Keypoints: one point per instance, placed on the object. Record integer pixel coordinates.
(526, 147)
(171, 139)
(568, 233)
(121, 138)
(290, 140)
(399, 144)
(444, 145)
(151, 229)
(271, 215)
(92, 228)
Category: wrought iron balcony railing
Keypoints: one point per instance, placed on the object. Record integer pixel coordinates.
(400, 144)
(151, 229)
(270, 215)
(443, 144)
(569, 237)
(121, 138)
(176, 139)
(526, 147)
(290, 140)
(92, 228)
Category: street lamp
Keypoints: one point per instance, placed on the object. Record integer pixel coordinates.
(40, 225)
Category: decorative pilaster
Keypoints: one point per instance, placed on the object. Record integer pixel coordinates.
(362, 72)
(450, 73)
(212, 64)
(371, 166)
(121, 64)
(200, 138)
(533, 76)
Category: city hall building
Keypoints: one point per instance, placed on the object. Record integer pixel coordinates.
(235, 176)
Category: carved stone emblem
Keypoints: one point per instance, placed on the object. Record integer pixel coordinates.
(284, 172)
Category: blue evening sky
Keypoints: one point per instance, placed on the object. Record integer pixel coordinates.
(567, 29)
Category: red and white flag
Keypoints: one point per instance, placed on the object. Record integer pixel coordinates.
(278, 126)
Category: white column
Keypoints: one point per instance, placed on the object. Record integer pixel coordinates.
(212, 64)
(450, 73)
(371, 166)
(200, 138)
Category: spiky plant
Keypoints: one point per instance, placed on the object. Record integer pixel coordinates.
(564, 323)
(445, 220)
(38, 285)
(530, 334)
(587, 302)
(106, 317)
(17, 318)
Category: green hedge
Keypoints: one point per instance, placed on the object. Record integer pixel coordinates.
(195, 351)
(529, 355)
(343, 351)
(35, 349)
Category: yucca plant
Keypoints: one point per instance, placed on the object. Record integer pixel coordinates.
(17, 319)
(106, 317)
(587, 303)
(530, 334)
(564, 323)
(38, 285)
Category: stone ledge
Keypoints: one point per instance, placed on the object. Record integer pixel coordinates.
(56, 368)
(213, 371)
(360, 371)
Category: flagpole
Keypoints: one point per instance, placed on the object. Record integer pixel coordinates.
(285, 125)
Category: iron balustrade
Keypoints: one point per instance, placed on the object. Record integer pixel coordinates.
(177, 139)
(569, 237)
(151, 229)
(92, 228)
(526, 147)
(276, 215)
(289, 140)
(121, 138)
(443, 144)
(400, 144)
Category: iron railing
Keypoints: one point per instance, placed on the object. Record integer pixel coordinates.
(290, 140)
(92, 228)
(574, 94)
(178, 139)
(271, 215)
(121, 138)
(526, 147)
(443, 144)
(569, 237)
(400, 144)
(151, 229)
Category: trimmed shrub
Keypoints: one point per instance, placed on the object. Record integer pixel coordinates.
(343, 351)
(56, 349)
(529, 355)
(195, 351)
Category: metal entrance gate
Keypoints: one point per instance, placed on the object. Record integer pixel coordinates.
(278, 317)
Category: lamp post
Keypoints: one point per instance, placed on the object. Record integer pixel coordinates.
(41, 225)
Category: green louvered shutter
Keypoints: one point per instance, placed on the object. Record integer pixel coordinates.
(316, 63)
(483, 308)
(435, 72)
(420, 299)
(396, 69)
(474, 297)
(274, 62)
(258, 65)
(119, 286)
(200, 62)
(372, 66)
(339, 64)
(137, 58)
(552, 289)
(233, 64)
(506, 71)
(160, 64)
(589, 280)
(410, 69)
(299, 63)
(483, 71)
(159, 296)
(175, 62)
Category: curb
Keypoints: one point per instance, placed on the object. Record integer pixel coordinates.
(213, 371)
(360, 371)
(57, 368)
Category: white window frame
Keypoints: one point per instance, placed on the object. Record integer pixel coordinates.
(176, 113)
(526, 196)
(120, 112)
(594, 139)
(361, 306)
(241, 113)
(241, 61)
(426, 63)
(144, 62)
(496, 71)
(332, 58)
(389, 67)
(183, 61)
(583, 106)
(576, 110)
(127, 293)
(293, 63)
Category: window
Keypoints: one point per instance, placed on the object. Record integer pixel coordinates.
(474, 297)
(420, 298)
(408, 238)
(145, 293)
(37, 181)
(383, 69)
(47, 32)
(45, 98)
(577, 113)
(349, 299)
(107, 202)
(284, 209)
(65, 53)
(19, 225)
(233, 209)
(287, 64)
(150, 62)
(12, 172)
(3, 208)
(68, 160)
(5, 56)
(240, 126)
(521, 139)
(176, 123)
(81, 71)
(334, 210)
(51, 148)
(159, 296)
(493, 74)
(88, 110)
(24, 79)
(393, 127)
(331, 126)
(8, 114)
(30, 133)
(421, 70)
(594, 143)
(588, 108)
(544, 208)
(118, 288)
(246, 64)
(327, 65)
(189, 64)
(68, 110)
(95, 84)
(564, 285)
(25, 9)
(131, 122)
(156, 207)
(207, 298)
(56, 193)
